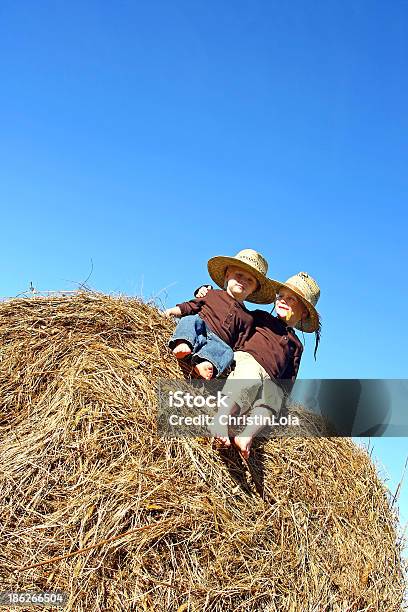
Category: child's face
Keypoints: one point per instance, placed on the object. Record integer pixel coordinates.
(240, 284)
(289, 307)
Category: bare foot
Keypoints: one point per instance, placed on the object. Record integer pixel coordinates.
(181, 350)
(205, 369)
(223, 440)
(244, 445)
(220, 433)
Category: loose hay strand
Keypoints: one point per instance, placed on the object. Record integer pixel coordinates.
(87, 548)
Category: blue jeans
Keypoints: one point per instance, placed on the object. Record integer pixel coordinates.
(204, 343)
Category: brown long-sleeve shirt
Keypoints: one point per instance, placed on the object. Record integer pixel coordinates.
(275, 346)
(272, 343)
(225, 316)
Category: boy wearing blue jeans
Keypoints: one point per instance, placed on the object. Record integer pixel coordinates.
(212, 326)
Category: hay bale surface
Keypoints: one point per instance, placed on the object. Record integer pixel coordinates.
(307, 526)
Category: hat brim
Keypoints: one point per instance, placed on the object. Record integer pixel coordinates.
(218, 265)
(312, 322)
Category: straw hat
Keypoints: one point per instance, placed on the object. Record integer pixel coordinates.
(308, 291)
(250, 261)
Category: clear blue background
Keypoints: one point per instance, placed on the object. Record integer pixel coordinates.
(150, 136)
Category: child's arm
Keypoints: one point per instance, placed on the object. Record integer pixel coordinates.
(173, 312)
(290, 373)
(186, 308)
(198, 293)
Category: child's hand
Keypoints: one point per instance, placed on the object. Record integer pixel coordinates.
(202, 291)
(172, 312)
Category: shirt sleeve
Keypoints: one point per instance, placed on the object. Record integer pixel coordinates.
(191, 307)
(291, 371)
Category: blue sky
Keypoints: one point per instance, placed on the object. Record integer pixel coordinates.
(150, 136)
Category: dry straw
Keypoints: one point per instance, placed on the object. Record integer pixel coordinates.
(123, 520)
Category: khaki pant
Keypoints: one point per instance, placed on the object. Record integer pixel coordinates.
(249, 385)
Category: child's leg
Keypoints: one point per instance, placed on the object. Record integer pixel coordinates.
(187, 336)
(269, 405)
(244, 441)
(241, 388)
(213, 357)
(191, 337)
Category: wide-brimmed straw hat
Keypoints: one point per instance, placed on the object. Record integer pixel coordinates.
(308, 291)
(250, 261)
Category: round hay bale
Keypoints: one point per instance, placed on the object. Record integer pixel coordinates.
(120, 519)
